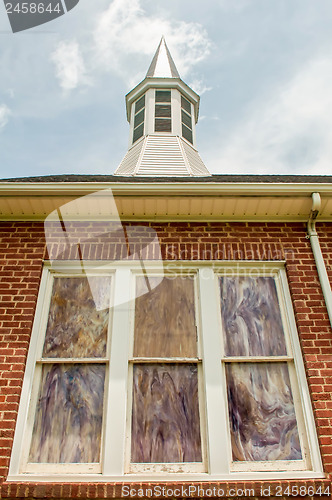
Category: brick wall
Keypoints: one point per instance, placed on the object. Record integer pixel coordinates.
(23, 249)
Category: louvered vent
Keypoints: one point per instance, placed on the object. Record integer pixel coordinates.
(186, 120)
(139, 119)
(162, 111)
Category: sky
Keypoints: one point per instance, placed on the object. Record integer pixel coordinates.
(263, 69)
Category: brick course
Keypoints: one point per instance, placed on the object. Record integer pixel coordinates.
(22, 252)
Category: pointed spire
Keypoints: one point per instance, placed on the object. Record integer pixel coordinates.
(162, 65)
(162, 111)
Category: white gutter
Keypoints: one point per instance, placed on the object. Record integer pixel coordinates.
(316, 249)
(170, 188)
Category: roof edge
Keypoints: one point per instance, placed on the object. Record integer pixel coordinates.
(191, 188)
(213, 178)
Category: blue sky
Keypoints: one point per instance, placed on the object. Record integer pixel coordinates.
(263, 69)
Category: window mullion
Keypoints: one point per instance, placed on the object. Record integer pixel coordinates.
(165, 360)
(255, 359)
(115, 425)
(46, 361)
(217, 416)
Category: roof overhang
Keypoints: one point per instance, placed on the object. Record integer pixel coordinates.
(166, 201)
(162, 83)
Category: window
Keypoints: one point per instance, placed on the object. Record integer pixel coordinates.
(139, 119)
(186, 120)
(193, 372)
(165, 414)
(67, 406)
(258, 362)
(163, 116)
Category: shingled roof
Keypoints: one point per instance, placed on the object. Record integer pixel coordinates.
(219, 178)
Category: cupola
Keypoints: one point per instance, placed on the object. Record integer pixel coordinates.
(162, 112)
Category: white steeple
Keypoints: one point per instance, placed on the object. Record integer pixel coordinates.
(162, 64)
(162, 111)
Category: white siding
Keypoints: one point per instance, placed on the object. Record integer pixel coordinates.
(129, 162)
(197, 166)
(162, 156)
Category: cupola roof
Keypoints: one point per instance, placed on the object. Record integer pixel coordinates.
(162, 65)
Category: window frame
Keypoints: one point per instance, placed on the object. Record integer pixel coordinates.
(40, 361)
(184, 467)
(214, 430)
(289, 358)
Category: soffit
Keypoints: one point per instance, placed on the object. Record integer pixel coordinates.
(217, 202)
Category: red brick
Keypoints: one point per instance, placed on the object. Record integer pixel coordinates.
(22, 249)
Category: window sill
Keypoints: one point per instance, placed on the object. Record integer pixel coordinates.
(165, 477)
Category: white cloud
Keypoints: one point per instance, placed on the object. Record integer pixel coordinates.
(69, 65)
(289, 131)
(199, 86)
(124, 30)
(4, 115)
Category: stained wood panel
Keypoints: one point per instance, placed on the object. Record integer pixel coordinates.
(165, 319)
(261, 412)
(68, 419)
(165, 415)
(251, 317)
(75, 327)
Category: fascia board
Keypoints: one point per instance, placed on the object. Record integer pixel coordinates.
(169, 189)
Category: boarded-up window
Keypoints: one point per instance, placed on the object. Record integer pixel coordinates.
(202, 374)
(262, 418)
(165, 319)
(165, 425)
(69, 409)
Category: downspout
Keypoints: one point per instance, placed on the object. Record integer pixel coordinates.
(316, 249)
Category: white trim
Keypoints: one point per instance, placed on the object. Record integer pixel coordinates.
(307, 412)
(176, 112)
(150, 102)
(117, 390)
(131, 129)
(170, 468)
(216, 448)
(41, 312)
(293, 200)
(166, 477)
(188, 187)
(211, 346)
